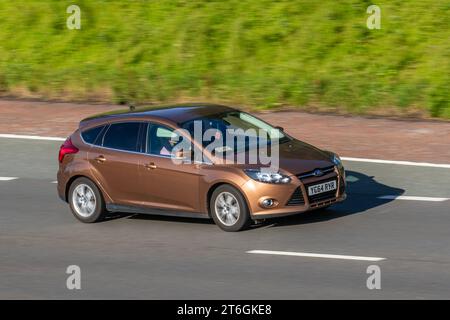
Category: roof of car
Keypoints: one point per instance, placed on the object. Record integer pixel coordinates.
(178, 113)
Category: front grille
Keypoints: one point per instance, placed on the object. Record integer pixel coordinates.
(321, 196)
(296, 198)
(308, 174)
(323, 203)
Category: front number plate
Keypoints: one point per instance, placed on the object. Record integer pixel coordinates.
(321, 188)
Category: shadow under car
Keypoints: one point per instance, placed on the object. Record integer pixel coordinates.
(363, 193)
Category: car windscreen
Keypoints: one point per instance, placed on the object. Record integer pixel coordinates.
(233, 131)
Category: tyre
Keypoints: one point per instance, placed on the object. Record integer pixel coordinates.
(86, 201)
(229, 209)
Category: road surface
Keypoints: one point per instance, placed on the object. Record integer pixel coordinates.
(154, 257)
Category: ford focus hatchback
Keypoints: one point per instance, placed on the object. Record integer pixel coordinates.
(198, 160)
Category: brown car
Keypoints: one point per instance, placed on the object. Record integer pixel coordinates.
(131, 161)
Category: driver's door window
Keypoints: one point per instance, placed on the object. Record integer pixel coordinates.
(161, 140)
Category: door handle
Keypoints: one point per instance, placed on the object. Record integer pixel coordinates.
(100, 159)
(150, 165)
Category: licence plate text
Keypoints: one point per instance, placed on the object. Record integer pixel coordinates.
(322, 187)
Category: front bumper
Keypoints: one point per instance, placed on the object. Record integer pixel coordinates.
(293, 197)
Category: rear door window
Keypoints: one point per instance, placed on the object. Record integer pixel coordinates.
(90, 135)
(122, 136)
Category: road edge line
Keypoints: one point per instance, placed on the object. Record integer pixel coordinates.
(29, 137)
(404, 163)
(380, 161)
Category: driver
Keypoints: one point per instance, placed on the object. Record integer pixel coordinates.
(167, 145)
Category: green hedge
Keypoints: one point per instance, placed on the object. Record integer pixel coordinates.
(305, 54)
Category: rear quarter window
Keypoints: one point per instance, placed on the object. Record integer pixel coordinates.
(90, 135)
(122, 136)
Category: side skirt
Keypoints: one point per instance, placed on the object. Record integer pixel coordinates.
(154, 211)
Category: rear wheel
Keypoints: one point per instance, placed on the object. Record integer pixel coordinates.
(229, 209)
(86, 201)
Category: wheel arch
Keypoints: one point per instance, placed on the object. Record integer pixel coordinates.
(75, 177)
(217, 185)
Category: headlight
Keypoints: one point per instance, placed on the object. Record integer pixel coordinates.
(267, 177)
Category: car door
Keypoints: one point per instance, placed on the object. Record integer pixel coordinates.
(114, 162)
(166, 183)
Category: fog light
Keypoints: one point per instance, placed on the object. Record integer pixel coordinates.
(268, 203)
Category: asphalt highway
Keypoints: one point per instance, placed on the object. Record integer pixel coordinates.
(154, 257)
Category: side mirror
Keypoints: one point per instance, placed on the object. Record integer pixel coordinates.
(185, 155)
(280, 128)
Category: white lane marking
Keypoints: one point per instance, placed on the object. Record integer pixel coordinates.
(17, 136)
(15, 178)
(403, 163)
(315, 255)
(8, 178)
(412, 198)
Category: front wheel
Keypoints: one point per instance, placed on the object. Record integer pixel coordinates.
(86, 201)
(229, 209)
